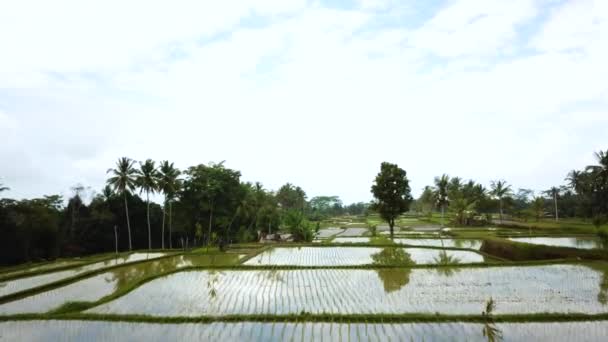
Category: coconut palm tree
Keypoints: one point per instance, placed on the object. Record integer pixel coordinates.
(123, 182)
(168, 184)
(500, 190)
(4, 188)
(147, 181)
(441, 193)
(601, 169)
(574, 179)
(554, 192)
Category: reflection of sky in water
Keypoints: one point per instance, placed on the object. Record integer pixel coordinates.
(575, 242)
(99, 286)
(530, 289)
(21, 284)
(335, 256)
(278, 331)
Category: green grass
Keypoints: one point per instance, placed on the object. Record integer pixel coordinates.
(519, 251)
(318, 317)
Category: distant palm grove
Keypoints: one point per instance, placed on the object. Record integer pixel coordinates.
(210, 205)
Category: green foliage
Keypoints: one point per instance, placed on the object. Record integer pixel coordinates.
(599, 220)
(391, 191)
(298, 225)
(290, 197)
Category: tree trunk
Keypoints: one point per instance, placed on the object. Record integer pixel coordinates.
(442, 213)
(115, 239)
(170, 224)
(128, 222)
(555, 200)
(148, 215)
(500, 201)
(162, 237)
(209, 230)
(391, 224)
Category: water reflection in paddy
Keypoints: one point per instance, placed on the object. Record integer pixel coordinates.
(532, 289)
(339, 256)
(308, 331)
(21, 284)
(96, 287)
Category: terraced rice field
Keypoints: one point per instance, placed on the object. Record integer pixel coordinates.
(44, 267)
(414, 284)
(516, 290)
(353, 232)
(574, 242)
(254, 331)
(96, 287)
(344, 256)
(328, 232)
(351, 240)
(22, 284)
(458, 243)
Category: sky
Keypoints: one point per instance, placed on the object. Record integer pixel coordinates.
(316, 93)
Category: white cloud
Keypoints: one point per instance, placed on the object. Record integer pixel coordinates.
(309, 94)
(473, 27)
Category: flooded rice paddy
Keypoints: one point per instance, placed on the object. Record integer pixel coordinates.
(353, 232)
(96, 287)
(351, 240)
(458, 243)
(343, 256)
(22, 284)
(254, 331)
(574, 242)
(446, 290)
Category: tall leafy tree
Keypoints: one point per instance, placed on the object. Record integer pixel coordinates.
(168, 184)
(290, 196)
(147, 181)
(391, 191)
(500, 190)
(212, 190)
(441, 193)
(123, 182)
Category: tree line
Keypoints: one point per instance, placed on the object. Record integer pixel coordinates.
(470, 203)
(206, 204)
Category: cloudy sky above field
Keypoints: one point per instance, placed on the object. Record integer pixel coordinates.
(316, 93)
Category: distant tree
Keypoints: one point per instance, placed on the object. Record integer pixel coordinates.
(554, 192)
(500, 190)
(169, 185)
(147, 180)
(212, 190)
(441, 193)
(290, 196)
(426, 201)
(391, 191)
(123, 182)
(538, 207)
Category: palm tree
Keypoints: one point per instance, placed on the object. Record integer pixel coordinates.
(147, 180)
(123, 181)
(4, 188)
(554, 192)
(441, 193)
(601, 169)
(500, 190)
(168, 184)
(574, 179)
